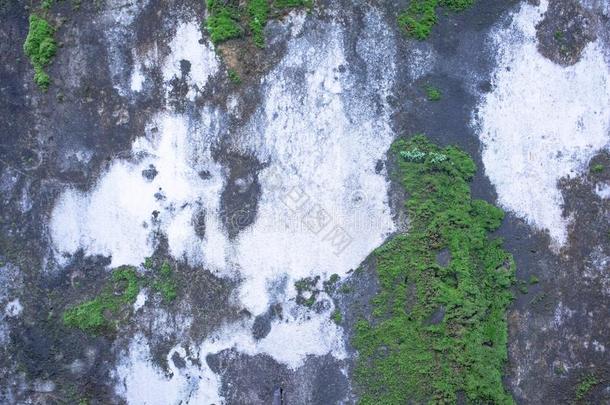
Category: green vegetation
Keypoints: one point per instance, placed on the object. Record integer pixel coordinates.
(93, 316)
(308, 291)
(234, 76)
(307, 287)
(436, 330)
(584, 387)
(40, 47)
(96, 315)
(258, 11)
(433, 93)
(597, 168)
(228, 20)
(522, 286)
(420, 16)
(559, 36)
(336, 316)
(286, 4)
(223, 21)
(534, 279)
(165, 283)
(331, 283)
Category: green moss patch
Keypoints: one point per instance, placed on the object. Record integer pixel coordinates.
(597, 168)
(96, 315)
(40, 47)
(421, 15)
(585, 386)
(223, 22)
(229, 20)
(165, 283)
(433, 93)
(258, 11)
(234, 76)
(438, 330)
(101, 313)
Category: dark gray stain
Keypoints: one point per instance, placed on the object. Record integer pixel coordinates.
(564, 31)
(261, 380)
(239, 198)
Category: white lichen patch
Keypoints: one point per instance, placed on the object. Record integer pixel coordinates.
(119, 216)
(141, 382)
(323, 207)
(201, 58)
(542, 122)
(13, 309)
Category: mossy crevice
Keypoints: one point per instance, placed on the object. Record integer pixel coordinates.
(95, 316)
(165, 283)
(40, 47)
(438, 330)
(421, 15)
(231, 19)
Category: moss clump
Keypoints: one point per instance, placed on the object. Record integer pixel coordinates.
(597, 168)
(40, 47)
(436, 330)
(230, 20)
(307, 287)
(93, 316)
(420, 16)
(165, 283)
(223, 21)
(234, 76)
(331, 284)
(258, 11)
(585, 385)
(433, 93)
(336, 316)
(284, 4)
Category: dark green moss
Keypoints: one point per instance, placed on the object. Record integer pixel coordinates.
(597, 168)
(234, 76)
(40, 47)
(559, 36)
(285, 4)
(336, 316)
(331, 283)
(307, 287)
(420, 16)
(258, 11)
(230, 20)
(165, 283)
(404, 356)
(433, 93)
(522, 286)
(585, 385)
(94, 316)
(223, 21)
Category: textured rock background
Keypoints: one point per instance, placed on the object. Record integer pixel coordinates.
(322, 102)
